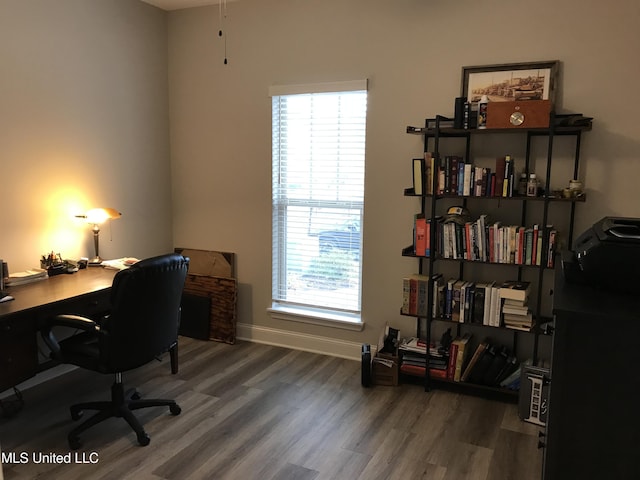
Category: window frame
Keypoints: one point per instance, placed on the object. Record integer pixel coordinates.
(282, 309)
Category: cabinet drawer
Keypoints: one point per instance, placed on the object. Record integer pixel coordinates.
(92, 306)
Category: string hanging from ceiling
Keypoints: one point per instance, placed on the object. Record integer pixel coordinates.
(222, 18)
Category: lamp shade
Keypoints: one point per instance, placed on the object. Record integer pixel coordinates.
(100, 215)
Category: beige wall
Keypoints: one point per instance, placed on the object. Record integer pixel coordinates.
(83, 123)
(412, 52)
(85, 104)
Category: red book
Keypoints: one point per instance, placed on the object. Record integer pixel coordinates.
(421, 236)
(534, 247)
(501, 165)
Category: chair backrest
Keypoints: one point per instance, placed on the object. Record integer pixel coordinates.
(145, 312)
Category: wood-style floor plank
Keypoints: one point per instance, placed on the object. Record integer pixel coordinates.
(252, 411)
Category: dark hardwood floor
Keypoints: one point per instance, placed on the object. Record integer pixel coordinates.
(252, 411)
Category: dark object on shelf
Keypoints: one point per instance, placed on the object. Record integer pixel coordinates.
(458, 121)
(607, 255)
(573, 120)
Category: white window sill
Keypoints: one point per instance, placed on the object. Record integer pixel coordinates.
(346, 321)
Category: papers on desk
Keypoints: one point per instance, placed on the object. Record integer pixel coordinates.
(119, 263)
(4, 297)
(28, 276)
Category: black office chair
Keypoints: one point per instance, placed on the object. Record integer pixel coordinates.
(142, 324)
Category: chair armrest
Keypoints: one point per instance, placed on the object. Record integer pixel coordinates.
(71, 321)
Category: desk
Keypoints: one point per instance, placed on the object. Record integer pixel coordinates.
(83, 293)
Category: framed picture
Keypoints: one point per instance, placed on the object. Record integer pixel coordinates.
(511, 81)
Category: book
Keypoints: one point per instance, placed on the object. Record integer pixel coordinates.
(515, 290)
(494, 313)
(479, 370)
(519, 318)
(430, 169)
(453, 355)
(496, 366)
(421, 238)
(455, 300)
(488, 298)
(515, 309)
(479, 296)
(474, 359)
(499, 176)
(418, 176)
(461, 353)
(420, 371)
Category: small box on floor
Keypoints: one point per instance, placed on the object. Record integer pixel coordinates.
(385, 367)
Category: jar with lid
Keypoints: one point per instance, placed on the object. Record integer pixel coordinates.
(575, 186)
(532, 186)
(522, 184)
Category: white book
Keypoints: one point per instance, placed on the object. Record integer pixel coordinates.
(466, 188)
(488, 298)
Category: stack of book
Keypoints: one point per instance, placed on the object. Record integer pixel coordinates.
(28, 276)
(515, 312)
(413, 354)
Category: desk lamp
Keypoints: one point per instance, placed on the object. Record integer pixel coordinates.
(96, 217)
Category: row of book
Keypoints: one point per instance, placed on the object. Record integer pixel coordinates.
(493, 304)
(483, 241)
(455, 176)
(488, 364)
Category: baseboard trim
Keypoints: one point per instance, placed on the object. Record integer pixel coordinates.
(299, 341)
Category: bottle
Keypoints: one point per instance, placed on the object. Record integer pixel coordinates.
(482, 112)
(522, 185)
(532, 186)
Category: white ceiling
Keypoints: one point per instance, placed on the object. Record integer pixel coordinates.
(178, 4)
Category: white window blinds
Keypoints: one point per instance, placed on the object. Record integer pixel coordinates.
(318, 193)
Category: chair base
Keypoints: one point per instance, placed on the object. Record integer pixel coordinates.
(121, 405)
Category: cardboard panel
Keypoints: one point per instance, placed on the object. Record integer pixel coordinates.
(209, 263)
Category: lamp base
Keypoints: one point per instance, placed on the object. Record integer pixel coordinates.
(95, 262)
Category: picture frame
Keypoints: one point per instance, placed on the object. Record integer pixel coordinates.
(510, 82)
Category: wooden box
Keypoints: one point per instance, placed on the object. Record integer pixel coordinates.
(385, 368)
(521, 114)
(211, 275)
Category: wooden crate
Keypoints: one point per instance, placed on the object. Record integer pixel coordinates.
(223, 294)
(382, 374)
(212, 274)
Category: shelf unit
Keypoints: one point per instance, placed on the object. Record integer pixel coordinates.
(434, 131)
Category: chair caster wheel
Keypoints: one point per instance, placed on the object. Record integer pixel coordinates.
(175, 409)
(74, 443)
(144, 439)
(76, 415)
(135, 396)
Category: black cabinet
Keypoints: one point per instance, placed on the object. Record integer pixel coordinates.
(593, 427)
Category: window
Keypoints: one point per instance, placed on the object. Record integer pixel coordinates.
(318, 195)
